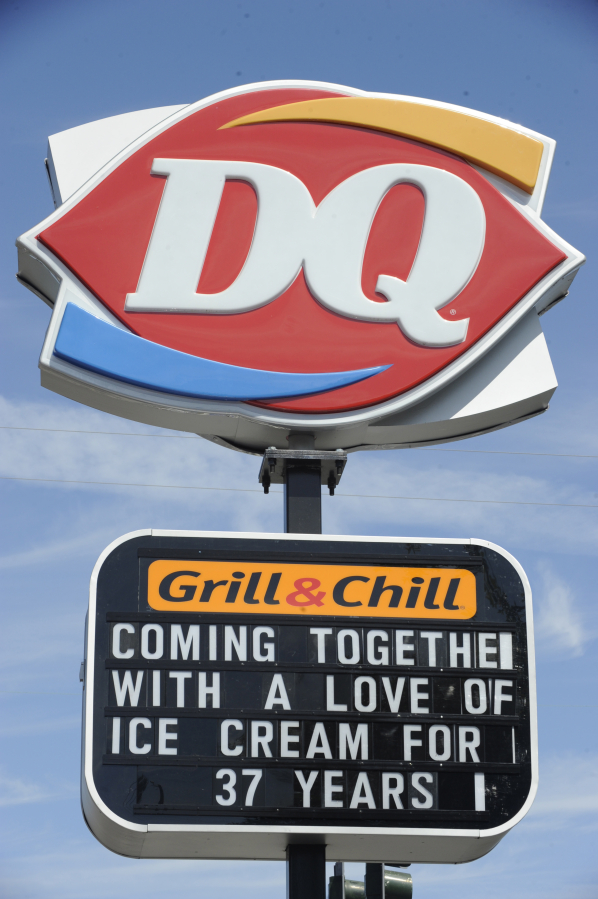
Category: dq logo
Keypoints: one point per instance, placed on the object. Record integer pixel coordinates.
(328, 241)
(303, 249)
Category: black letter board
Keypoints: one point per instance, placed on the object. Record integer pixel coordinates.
(373, 694)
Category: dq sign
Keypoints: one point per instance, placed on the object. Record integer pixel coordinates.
(297, 255)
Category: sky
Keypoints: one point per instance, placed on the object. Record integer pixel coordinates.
(66, 63)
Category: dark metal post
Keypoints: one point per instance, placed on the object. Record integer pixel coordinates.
(374, 880)
(302, 489)
(304, 470)
(306, 863)
(303, 498)
(306, 871)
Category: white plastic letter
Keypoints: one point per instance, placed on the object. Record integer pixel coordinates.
(306, 784)
(475, 705)
(318, 745)
(134, 747)
(377, 654)
(394, 699)
(231, 641)
(431, 637)
(500, 695)
(418, 696)
(146, 630)
(506, 650)
(330, 788)
(203, 690)
(228, 787)
(225, 727)
(286, 738)
(455, 651)
(370, 684)
(262, 734)
(127, 686)
(331, 704)
(277, 694)
(180, 677)
(353, 638)
(392, 785)
(116, 636)
(115, 736)
(403, 647)
(188, 645)
(183, 229)
(320, 634)
(362, 794)
(469, 740)
(263, 653)
(450, 248)
(416, 782)
(346, 741)
(256, 774)
(433, 742)
(486, 652)
(165, 737)
(409, 740)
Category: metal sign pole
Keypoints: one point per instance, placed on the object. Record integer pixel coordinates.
(303, 497)
(302, 478)
(374, 880)
(306, 871)
(306, 863)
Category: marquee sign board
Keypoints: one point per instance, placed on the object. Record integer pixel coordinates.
(373, 694)
(294, 256)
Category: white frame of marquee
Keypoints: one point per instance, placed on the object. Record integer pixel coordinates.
(225, 841)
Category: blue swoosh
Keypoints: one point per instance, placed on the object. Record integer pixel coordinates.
(90, 343)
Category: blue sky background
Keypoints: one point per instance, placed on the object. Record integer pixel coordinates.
(66, 63)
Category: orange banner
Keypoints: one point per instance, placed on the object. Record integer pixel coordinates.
(353, 591)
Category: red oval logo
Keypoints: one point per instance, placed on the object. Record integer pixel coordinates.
(303, 247)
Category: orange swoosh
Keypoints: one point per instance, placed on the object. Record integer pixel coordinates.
(499, 149)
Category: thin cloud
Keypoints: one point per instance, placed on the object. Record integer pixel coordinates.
(558, 529)
(560, 626)
(200, 463)
(16, 791)
(80, 871)
(584, 210)
(568, 789)
(55, 549)
(41, 727)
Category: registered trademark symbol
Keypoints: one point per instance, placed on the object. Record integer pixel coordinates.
(453, 311)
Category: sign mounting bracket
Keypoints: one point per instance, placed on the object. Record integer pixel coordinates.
(303, 470)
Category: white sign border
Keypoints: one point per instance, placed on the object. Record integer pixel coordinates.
(130, 839)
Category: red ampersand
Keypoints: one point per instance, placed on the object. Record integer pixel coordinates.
(304, 586)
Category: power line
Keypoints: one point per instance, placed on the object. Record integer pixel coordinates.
(508, 453)
(112, 433)
(195, 436)
(36, 693)
(442, 499)
(427, 499)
